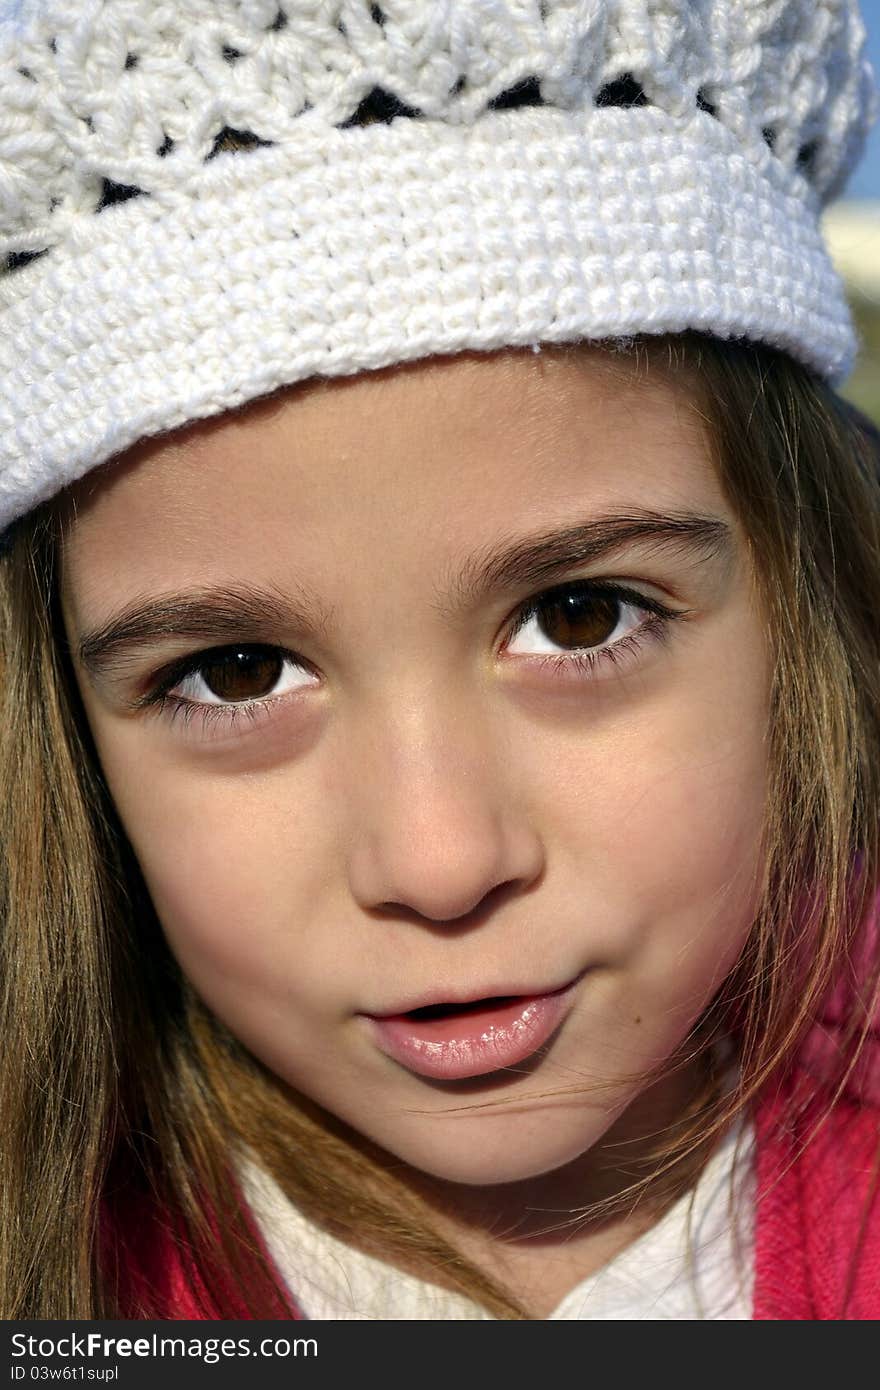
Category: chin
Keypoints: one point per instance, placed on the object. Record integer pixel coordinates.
(484, 1150)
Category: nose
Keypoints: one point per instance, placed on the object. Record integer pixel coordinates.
(439, 821)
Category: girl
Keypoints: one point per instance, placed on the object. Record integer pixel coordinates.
(441, 710)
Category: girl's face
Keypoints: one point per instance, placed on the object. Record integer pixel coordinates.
(389, 772)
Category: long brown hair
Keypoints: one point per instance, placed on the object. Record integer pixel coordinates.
(117, 1081)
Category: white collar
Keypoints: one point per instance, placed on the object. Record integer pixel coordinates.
(695, 1263)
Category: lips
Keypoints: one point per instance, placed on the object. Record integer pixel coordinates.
(453, 1040)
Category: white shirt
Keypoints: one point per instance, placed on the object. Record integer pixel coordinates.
(695, 1263)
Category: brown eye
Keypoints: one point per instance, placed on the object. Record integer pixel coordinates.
(578, 619)
(228, 676)
(242, 674)
(584, 622)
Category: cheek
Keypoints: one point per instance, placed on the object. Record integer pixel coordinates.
(660, 818)
(699, 822)
(232, 874)
(689, 820)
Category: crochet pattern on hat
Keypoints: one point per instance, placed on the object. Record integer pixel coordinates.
(201, 202)
(110, 100)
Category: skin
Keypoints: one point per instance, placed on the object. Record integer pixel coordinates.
(430, 807)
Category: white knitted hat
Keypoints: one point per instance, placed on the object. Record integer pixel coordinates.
(202, 200)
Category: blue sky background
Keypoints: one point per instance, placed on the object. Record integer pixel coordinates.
(865, 182)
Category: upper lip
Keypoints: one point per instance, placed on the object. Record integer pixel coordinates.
(454, 999)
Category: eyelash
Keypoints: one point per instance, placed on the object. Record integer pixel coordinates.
(582, 663)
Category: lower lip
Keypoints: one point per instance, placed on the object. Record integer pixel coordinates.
(475, 1043)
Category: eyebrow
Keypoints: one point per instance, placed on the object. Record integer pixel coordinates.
(539, 559)
(245, 612)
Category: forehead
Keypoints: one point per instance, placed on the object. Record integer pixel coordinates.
(471, 443)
